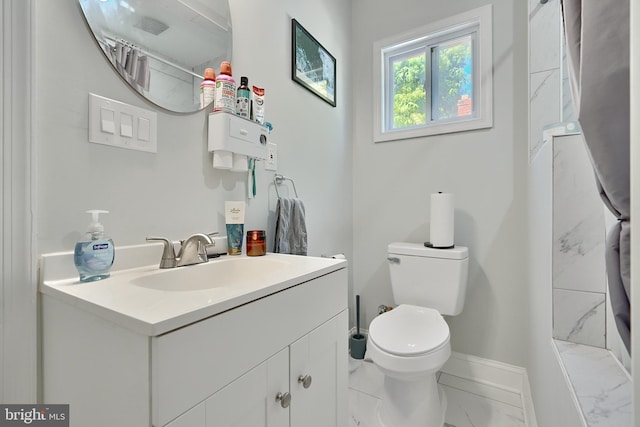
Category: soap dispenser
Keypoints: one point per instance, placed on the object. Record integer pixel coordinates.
(94, 253)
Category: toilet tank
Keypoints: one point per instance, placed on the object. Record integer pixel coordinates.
(428, 277)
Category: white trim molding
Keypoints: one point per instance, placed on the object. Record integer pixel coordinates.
(476, 22)
(496, 374)
(18, 312)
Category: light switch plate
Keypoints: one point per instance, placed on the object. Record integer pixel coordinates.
(126, 122)
(271, 164)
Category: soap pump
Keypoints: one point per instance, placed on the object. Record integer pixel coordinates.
(94, 253)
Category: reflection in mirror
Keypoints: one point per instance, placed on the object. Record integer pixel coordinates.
(162, 47)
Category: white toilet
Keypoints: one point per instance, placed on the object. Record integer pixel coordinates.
(410, 343)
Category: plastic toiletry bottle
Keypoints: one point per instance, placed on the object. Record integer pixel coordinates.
(258, 105)
(243, 98)
(208, 87)
(94, 253)
(225, 97)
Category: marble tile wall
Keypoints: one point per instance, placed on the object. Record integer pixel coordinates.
(579, 282)
(578, 219)
(544, 105)
(544, 68)
(578, 225)
(568, 110)
(579, 317)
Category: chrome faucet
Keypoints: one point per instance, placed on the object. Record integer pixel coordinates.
(193, 250)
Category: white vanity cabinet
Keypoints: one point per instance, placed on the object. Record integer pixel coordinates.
(316, 360)
(224, 370)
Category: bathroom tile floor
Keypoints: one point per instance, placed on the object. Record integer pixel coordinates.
(470, 404)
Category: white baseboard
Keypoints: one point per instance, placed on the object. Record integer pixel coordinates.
(495, 374)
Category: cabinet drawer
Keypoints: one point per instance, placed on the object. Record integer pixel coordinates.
(192, 363)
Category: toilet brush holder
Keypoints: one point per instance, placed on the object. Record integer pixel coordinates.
(358, 345)
(358, 342)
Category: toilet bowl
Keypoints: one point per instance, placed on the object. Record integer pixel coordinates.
(410, 344)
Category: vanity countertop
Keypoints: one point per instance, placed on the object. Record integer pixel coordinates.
(127, 299)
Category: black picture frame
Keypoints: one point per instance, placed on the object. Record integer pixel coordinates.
(312, 66)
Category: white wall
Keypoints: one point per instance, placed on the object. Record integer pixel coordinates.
(486, 170)
(176, 192)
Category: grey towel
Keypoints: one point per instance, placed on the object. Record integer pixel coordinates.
(291, 229)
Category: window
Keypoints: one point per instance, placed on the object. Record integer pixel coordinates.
(436, 79)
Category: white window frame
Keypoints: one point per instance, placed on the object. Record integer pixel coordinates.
(476, 22)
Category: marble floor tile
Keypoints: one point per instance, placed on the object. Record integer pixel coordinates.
(366, 378)
(471, 410)
(362, 409)
(470, 404)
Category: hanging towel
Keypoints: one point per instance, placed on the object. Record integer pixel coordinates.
(291, 230)
(144, 72)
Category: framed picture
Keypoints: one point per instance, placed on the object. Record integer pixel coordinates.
(312, 66)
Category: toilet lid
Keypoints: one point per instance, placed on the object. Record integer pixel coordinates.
(409, 330)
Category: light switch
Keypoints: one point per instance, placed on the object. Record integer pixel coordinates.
(143, 129)
(107, 118)
(126, 125)
(122, 125)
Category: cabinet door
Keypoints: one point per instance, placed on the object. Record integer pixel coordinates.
(322, 355)
(251, 399)
(194, 417)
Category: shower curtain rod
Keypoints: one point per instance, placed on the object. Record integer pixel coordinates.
(149, 54)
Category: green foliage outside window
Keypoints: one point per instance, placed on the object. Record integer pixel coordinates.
(454, 79)
(409, 100)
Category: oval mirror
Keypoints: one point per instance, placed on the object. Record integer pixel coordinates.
(162, 47)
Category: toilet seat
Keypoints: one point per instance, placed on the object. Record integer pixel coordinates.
(409, 331)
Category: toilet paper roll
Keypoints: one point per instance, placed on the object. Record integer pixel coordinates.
(441, 229)
(222, 159)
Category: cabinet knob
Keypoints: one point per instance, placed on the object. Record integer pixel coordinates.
(284, 399)
(305, 380)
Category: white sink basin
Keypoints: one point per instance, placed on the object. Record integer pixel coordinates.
(151, 301)
(227, 271)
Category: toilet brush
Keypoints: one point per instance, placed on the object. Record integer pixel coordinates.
(358, 343)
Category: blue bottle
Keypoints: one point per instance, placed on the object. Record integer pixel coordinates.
(94, 254)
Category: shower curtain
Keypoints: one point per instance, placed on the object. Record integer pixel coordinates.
(597, 37)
